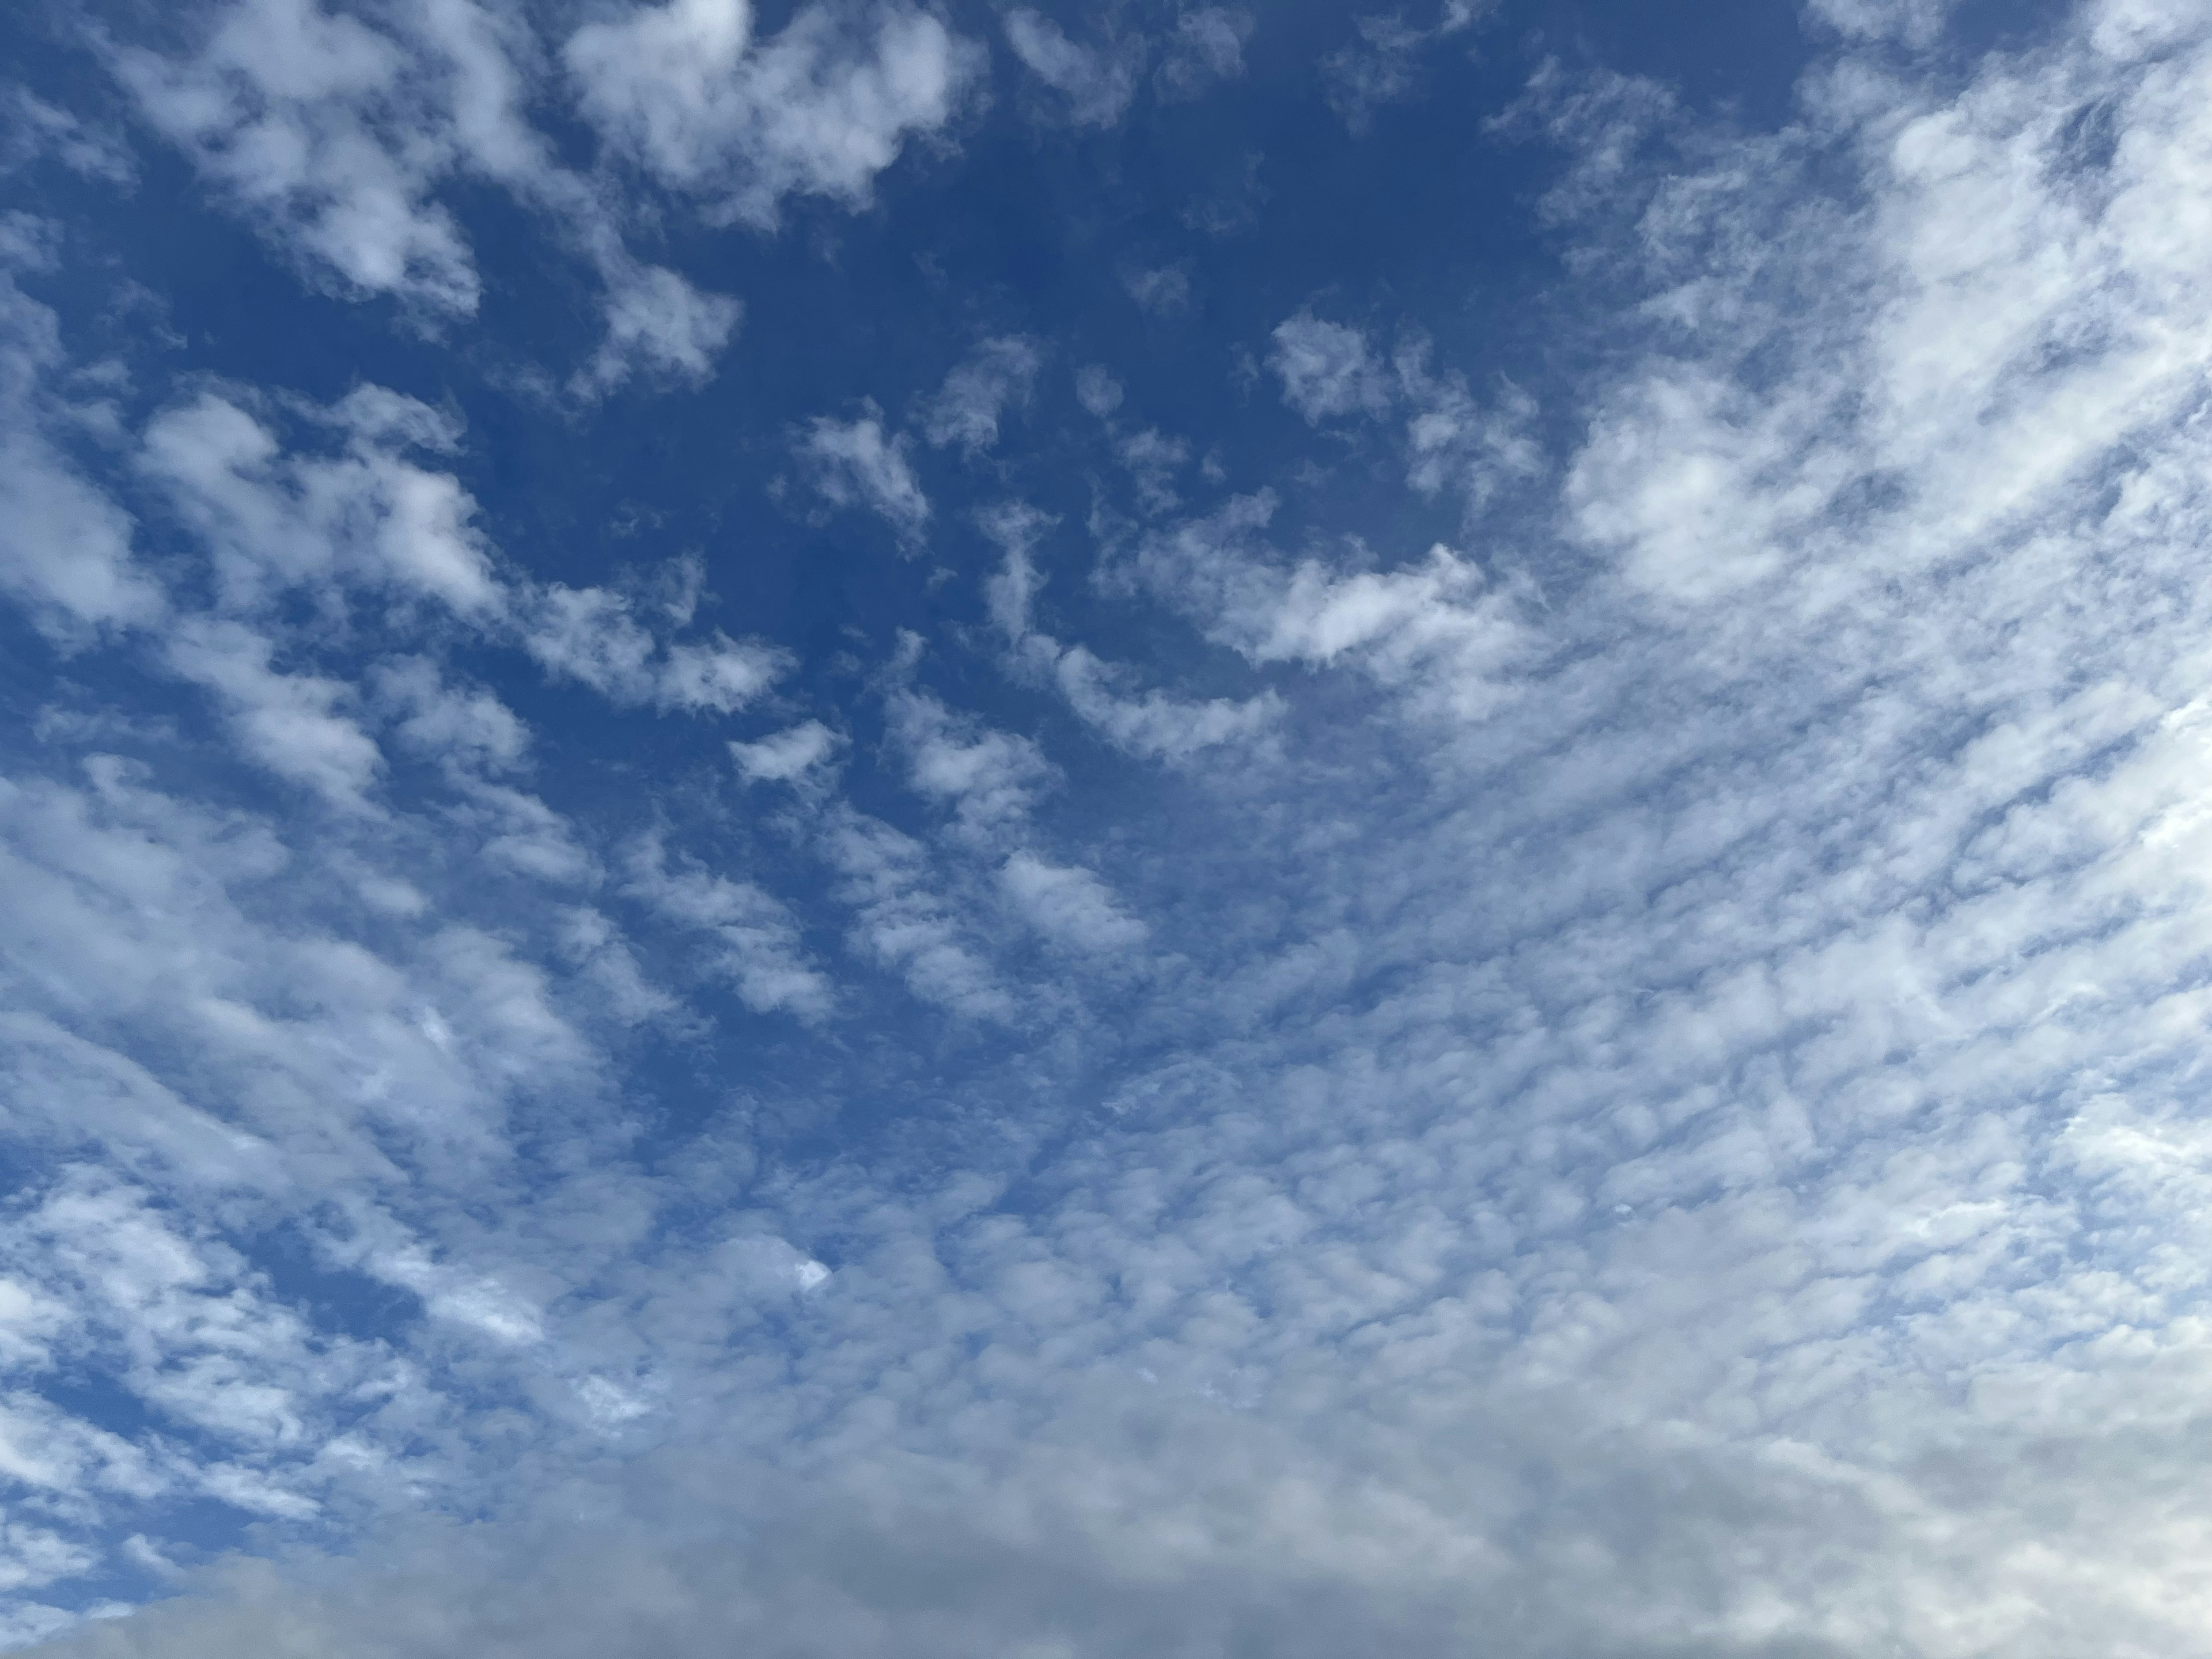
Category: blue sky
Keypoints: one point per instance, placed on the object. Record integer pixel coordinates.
(867, 830)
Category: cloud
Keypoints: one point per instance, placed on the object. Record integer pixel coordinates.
(1098, 390)
(293, 724)
(659, 321)
(275, 520)
(900, 921)
(1147, 723)
(65, 550)
(1660, 1112)
(1072, 906)
(1095, 84)
(1454, 441)
(334, 135)
(990, 778)
(820, 109)
(789, 756)
(35, 129)
(1208, 46)
(1163, 292)
(312, 124)
(854, 463)
(1383, 64)
(761, 953)
(1328, 369)
(966, 409)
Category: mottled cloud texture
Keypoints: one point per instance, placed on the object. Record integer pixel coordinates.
(1238, 977)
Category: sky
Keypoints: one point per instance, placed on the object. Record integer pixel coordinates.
(871, 830)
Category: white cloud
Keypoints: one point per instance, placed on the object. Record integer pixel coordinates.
(1439, 630)
(64, 547)
(1149, 724)
(1328, 369)
(902, 922)
(990, 778)
(1207, 45)
(1070, 906)
(659, 321)
(592, 634)
(312, 123)
(275, 520)
(1098, 390)
(789, 756)
(1738, 1009)
(854, 463)
(821, 108)
(1163, 291)
(1383, 67)
(334, 134)
(1451, 440)
(472, 729)
(760, 952)
(35, 127)
(1095, 84)
(293, 724)
(967, 407)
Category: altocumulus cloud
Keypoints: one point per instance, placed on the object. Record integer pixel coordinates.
(1394, 993)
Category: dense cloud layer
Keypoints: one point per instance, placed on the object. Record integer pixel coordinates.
(1554, 1012)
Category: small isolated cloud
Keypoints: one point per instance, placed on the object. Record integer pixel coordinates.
(1164, 291)
(1096, 390)
(1328, 369)
(658, 324)
(1207, 45)
(1147, 723)
(686, 92)
(966, 411)
(855, 464)
(1095, 83)
(787, 757)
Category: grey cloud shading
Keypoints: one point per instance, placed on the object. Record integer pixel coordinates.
(1660, 1113)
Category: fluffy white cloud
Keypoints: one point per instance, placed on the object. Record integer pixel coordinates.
(314, 123)
(657, 321)
(335, 133)
(789, 756)
(822, 107)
